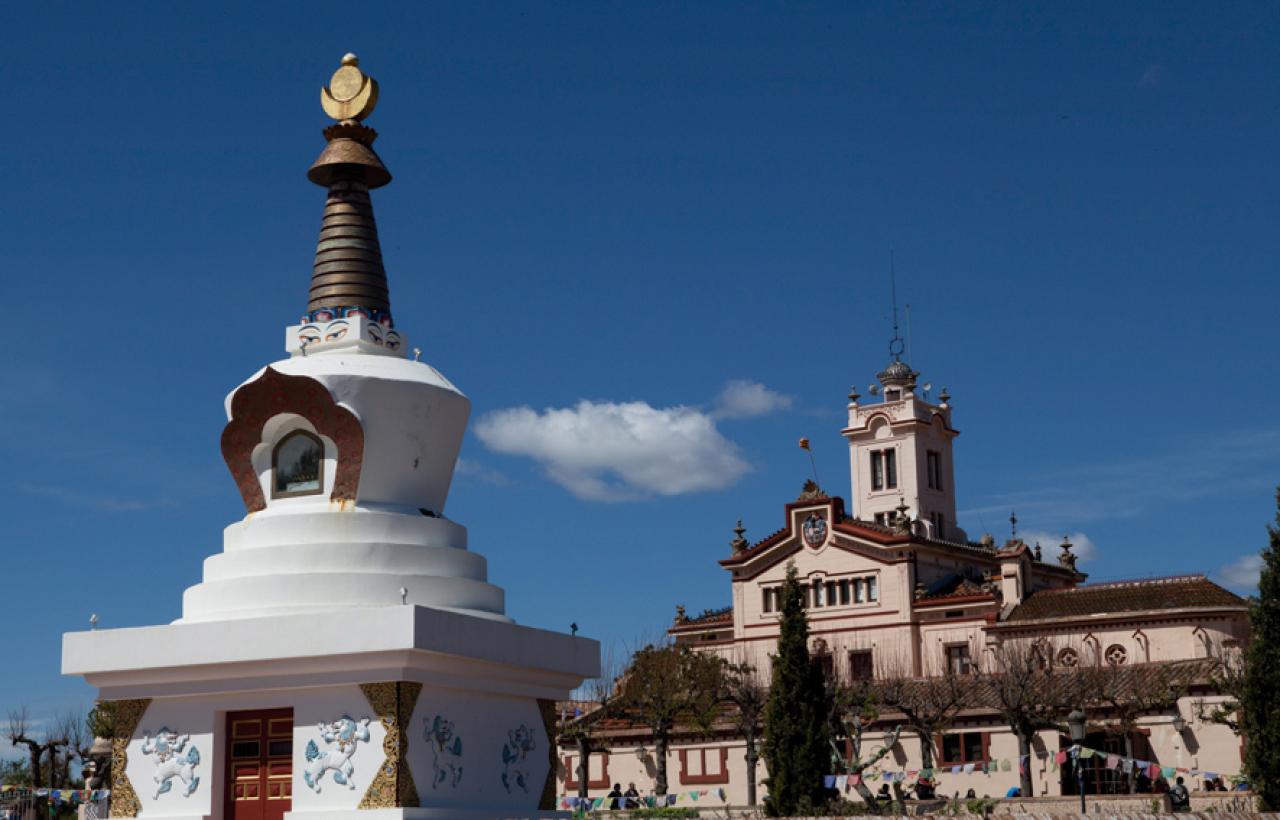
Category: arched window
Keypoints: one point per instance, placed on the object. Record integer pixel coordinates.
(297, 466)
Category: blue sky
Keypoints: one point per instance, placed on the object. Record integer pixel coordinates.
(670, 220)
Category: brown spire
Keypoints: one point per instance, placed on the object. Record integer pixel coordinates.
(348, 269)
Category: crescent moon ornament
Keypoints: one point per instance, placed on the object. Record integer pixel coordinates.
(351, 94)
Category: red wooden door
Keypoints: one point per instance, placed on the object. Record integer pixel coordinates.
(259, 764)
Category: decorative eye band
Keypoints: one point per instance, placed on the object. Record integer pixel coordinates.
(309, 335)
(335, 331)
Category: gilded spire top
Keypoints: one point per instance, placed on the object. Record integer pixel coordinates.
(351, 94)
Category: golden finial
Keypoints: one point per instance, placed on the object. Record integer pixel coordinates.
(351, 94)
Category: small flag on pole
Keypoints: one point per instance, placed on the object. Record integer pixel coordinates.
(804, 444)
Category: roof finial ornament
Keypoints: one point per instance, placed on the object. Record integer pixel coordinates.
(351, 94)
(902, 522)
(1067, 558)
(739, 542)
(1013, 526)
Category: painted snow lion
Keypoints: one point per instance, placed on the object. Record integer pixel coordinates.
(515, 757)
(170, 762)
(446, 751)
(342, 735)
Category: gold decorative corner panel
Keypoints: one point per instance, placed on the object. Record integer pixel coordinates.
(393, 787)
(126, 715)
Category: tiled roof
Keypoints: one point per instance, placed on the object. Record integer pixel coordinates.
(1178, 592)
(709, 617)
(954, 586)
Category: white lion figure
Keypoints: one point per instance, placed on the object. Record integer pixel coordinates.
(515, 757)
(170, 762)
(345, 732)
(446, 751)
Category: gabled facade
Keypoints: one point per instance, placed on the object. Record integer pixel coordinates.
(893, 588)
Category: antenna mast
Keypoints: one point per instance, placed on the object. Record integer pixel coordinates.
(895, 344)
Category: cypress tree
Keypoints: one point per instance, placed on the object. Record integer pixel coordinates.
(796, 746)
(1260, 701)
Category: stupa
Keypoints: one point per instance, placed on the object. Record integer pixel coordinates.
(344, 655)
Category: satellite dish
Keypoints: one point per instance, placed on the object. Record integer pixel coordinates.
(928, 386)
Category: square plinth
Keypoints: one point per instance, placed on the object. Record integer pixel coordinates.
(398, 711)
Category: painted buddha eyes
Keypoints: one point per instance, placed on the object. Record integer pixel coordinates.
(310, 335)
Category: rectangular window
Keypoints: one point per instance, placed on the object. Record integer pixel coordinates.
(890, 469)
(882, 519)
(877, 469)
(831, 593)
(703, 766)
(963, 747)
(933, 462)
(819, 594)
(958, 660)
(860, 667)
(844, 591)
(767, 599)
(804, 596)
(597, 771)
(873, 593)
(938, 530)
(859, 591)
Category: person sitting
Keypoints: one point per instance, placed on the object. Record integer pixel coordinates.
(884, 793)
(1161, 786)
(632, 797)
(971, 795)
(1179, 797)
(924, 789)
(615, 795)
(1014, 791)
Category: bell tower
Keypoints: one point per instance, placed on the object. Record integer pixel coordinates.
(900, 454)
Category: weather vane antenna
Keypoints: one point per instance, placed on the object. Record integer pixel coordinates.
(895, 344)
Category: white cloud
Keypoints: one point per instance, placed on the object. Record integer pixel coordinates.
(474, 469)
(1190, 470)
(1243, 572)
(741, 399)
(610, 451)
(1081, 545)
(98, 501)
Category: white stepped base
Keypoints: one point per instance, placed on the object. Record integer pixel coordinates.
(320, 558)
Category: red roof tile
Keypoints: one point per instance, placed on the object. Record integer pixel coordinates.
(1178, 592)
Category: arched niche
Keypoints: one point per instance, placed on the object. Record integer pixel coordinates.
(297, 465)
